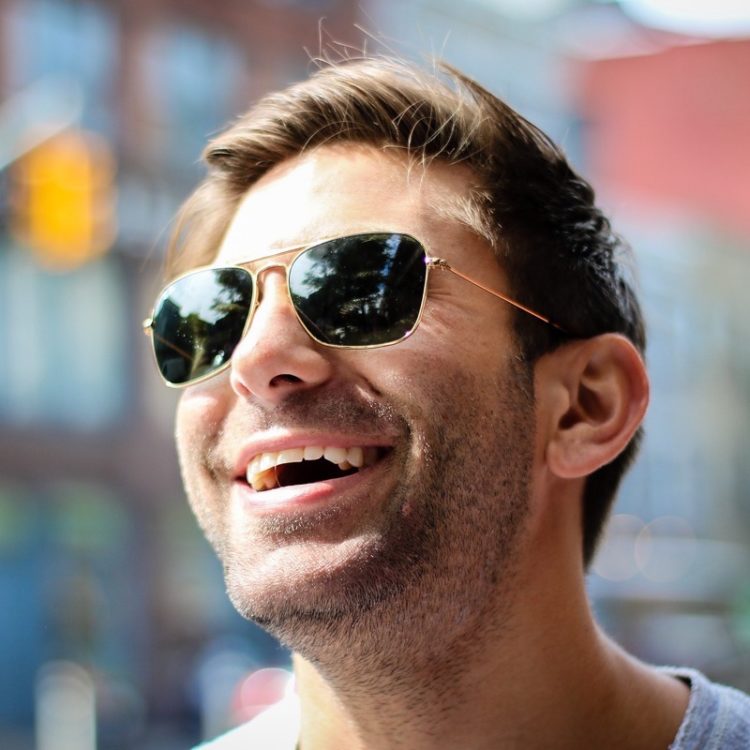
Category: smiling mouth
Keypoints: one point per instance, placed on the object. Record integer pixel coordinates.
(308, 464)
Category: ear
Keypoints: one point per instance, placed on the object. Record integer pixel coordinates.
(592, 396)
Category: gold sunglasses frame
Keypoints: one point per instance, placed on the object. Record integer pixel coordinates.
(431, 262)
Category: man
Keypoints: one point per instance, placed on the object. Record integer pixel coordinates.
(413, 380)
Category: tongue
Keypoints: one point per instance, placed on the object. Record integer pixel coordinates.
(309, 471)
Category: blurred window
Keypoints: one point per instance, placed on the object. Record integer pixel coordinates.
(75, 41)
(694, 463)
(64, 343)
(191, 79)
(69, 567)
(21, 522)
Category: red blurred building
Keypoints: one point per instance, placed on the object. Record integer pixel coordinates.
(672, 130)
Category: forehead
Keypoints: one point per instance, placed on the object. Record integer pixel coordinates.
(345, 189)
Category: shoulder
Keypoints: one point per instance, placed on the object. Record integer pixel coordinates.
(277, 728)
(717, 717)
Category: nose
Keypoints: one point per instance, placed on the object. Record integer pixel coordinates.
(276, 357)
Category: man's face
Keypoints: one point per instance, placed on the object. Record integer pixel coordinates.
(428, 529)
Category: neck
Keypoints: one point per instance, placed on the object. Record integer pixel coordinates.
(536, 682)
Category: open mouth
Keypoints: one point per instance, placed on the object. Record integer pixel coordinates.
(303, 465)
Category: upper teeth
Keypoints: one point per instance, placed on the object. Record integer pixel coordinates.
(259, 477)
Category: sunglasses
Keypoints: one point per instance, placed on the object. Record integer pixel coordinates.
(356, 292)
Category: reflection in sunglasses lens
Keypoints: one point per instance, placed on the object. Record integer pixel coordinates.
(199, 321)
(363, 290)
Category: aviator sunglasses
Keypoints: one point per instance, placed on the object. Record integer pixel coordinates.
(356, 292)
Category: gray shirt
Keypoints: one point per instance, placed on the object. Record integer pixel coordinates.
(717, 718)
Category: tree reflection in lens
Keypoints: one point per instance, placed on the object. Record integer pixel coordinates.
(361, 290)
(199, 322)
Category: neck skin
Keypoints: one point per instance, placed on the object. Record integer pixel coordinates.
(547, 679)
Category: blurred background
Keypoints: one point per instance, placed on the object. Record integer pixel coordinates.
(115, 632)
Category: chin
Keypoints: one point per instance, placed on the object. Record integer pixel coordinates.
(293, 591)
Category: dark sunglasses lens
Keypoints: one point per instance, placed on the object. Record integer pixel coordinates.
(198, 322)
(363, 290)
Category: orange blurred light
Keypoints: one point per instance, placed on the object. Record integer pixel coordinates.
(63, 199)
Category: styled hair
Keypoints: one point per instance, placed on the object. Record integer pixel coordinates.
(557, 248)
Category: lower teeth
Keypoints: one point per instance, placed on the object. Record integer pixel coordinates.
(272, 478)
(315, 470)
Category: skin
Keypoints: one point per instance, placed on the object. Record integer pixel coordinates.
(437, 600)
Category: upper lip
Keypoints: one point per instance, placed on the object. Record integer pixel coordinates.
(269, 443)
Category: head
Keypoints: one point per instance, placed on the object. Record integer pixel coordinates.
(556, 249)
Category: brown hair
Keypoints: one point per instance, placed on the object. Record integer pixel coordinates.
(557, 248)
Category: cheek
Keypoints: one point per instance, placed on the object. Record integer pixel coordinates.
(440, 348)
(208, 401)
(200, 415)
(444, 372)
(473, 330)
(199, 423)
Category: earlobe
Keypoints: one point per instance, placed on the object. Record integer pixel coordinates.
(601, 394)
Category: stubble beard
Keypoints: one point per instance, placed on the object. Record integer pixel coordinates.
(445, 568)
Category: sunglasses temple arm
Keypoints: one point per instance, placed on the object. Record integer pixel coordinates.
(443, 264)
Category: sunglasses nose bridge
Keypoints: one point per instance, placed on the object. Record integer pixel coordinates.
(260, 284)
(269, 266)
(275, 355)
(259, 272)
(275, 265)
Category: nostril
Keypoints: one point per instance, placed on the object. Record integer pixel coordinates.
(284, 378)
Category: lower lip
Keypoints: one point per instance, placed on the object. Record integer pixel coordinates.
(299, 497)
